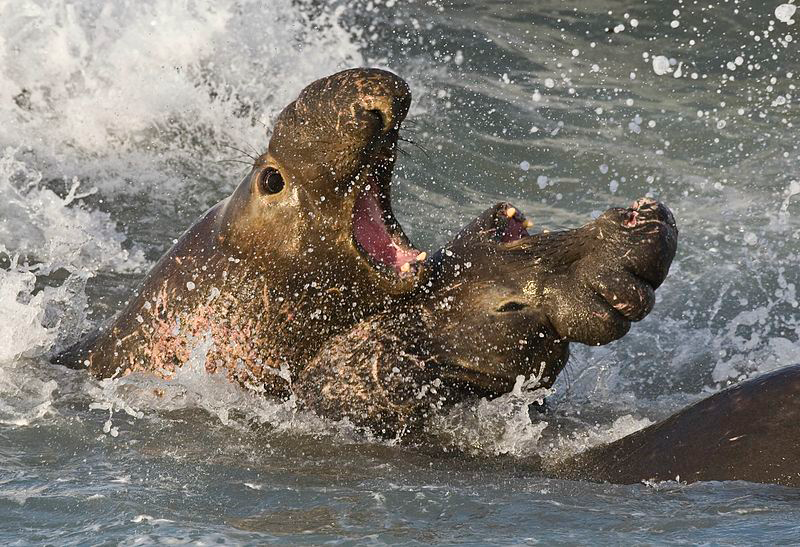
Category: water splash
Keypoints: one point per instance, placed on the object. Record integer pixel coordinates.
(53, 232)
(99, 87)
(498, 426)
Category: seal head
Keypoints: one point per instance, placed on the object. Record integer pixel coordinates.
(324, 183)
(508, 303)
(498, 304)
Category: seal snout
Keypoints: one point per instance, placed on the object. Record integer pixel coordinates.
(375, 94)
(644, 237)
(384, 94)
(390, 110)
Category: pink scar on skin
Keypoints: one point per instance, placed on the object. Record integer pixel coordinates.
(236, 340)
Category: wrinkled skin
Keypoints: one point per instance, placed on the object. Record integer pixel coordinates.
(498, 304)
(305, 247)
(748, 432)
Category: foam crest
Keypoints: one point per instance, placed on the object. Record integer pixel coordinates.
(49, 247)
(192, 386)
(22, 333)
(24, 397)
(497, 426)
(94, 78)
(56, 232)
(590, 435)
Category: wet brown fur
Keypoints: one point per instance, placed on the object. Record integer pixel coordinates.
(271, 277)
(475, 327)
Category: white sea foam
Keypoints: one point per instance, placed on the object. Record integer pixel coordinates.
(55, 232)
(191, 386)
(564, 446)
(41, 233)
(98, 80)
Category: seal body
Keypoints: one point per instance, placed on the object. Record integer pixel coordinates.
(498, 304)
(305, 247)
(748, 432)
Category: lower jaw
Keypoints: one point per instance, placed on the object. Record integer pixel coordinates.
(397, 284)
(387, 252)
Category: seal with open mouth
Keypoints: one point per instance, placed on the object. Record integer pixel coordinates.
(498, 304)
(306, 246)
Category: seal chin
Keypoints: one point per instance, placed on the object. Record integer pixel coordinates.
(379, 237)
(480, 383)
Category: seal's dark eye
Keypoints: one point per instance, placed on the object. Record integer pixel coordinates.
(271, 181)
(512, 306)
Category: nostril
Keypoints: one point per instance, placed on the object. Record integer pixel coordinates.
(379, 116)
(383, 100)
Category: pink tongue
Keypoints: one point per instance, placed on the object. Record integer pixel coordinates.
(371, 233)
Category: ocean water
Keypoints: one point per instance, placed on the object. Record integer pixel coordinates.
(119, 124)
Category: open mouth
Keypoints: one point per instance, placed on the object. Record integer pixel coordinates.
(379, 237)
(514, 225)
(647, 211)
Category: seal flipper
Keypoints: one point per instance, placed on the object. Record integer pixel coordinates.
(77, 356)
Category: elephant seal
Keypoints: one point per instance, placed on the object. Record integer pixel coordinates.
(748, 432)
(498, 304)
(306, 246)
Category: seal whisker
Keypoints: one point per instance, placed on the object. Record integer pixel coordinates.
(240, 151)
(265, 126)
(416, 144)
(234, 161)
(255, 150)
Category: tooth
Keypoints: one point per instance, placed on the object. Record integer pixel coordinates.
(405, 267)
(527, 224)
(545, 231)
(422, 256)
(510, 212)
